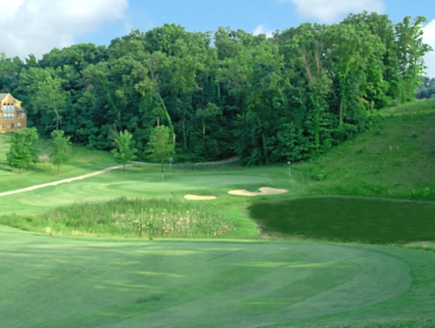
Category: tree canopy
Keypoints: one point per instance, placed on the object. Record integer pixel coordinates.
(288, 97)
(160, 146)
(124, 152)
(22, 151)
(60, 149)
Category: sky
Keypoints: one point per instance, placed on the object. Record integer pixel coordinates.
(37, 26)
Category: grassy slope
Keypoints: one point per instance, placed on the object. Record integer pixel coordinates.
(395, 157)
(63, 282)
(82, 161)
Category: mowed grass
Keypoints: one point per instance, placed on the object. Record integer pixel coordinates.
(347, 219)
(63, 282)
(146, 182)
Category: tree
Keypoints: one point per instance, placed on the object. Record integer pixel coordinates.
(149, 84)
(23, 149)
(160, 146)
(353, 48)
(48, 96)
(411, 52)
(309, 47)
(125, 151)
(61, 148)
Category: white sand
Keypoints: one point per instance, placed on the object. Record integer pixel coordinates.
(199, 197)
(263, 191)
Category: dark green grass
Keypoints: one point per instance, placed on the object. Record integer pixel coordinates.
(348, 219)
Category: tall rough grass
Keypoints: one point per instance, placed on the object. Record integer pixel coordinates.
(132, 218)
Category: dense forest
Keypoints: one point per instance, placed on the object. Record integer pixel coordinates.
(227, 92)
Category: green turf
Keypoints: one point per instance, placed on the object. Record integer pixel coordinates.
(348, 219)
(146, 182)
(60, 282)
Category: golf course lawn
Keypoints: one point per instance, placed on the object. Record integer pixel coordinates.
(66, 282)
(145, 183)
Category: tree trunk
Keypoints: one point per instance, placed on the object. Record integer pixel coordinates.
(265, 150)
(184, 134)
(171, 127)
(317, 130)
(315, 102)
(341, 111)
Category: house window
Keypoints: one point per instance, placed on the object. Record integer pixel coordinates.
(13, 125)
(5, 126)
(19, 125)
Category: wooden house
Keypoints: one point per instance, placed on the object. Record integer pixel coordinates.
(12, 116)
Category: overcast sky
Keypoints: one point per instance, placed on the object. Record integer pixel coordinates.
(37, 26)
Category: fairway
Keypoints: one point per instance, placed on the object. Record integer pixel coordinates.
(139, 182)
(63, 282)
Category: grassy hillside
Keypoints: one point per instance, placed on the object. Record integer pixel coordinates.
(395, 159)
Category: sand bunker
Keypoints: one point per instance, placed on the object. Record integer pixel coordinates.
(263, 191)
(199, 197)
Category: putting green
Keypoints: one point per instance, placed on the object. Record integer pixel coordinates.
(63, 282)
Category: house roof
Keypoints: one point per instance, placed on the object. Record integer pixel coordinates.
(4, 95)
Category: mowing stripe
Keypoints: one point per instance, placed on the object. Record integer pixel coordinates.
(58, 282)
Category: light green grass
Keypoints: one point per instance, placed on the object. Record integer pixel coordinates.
(63, 282)
(146, 182)
(82, 161)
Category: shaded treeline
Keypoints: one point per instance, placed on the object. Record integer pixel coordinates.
(229, 92)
